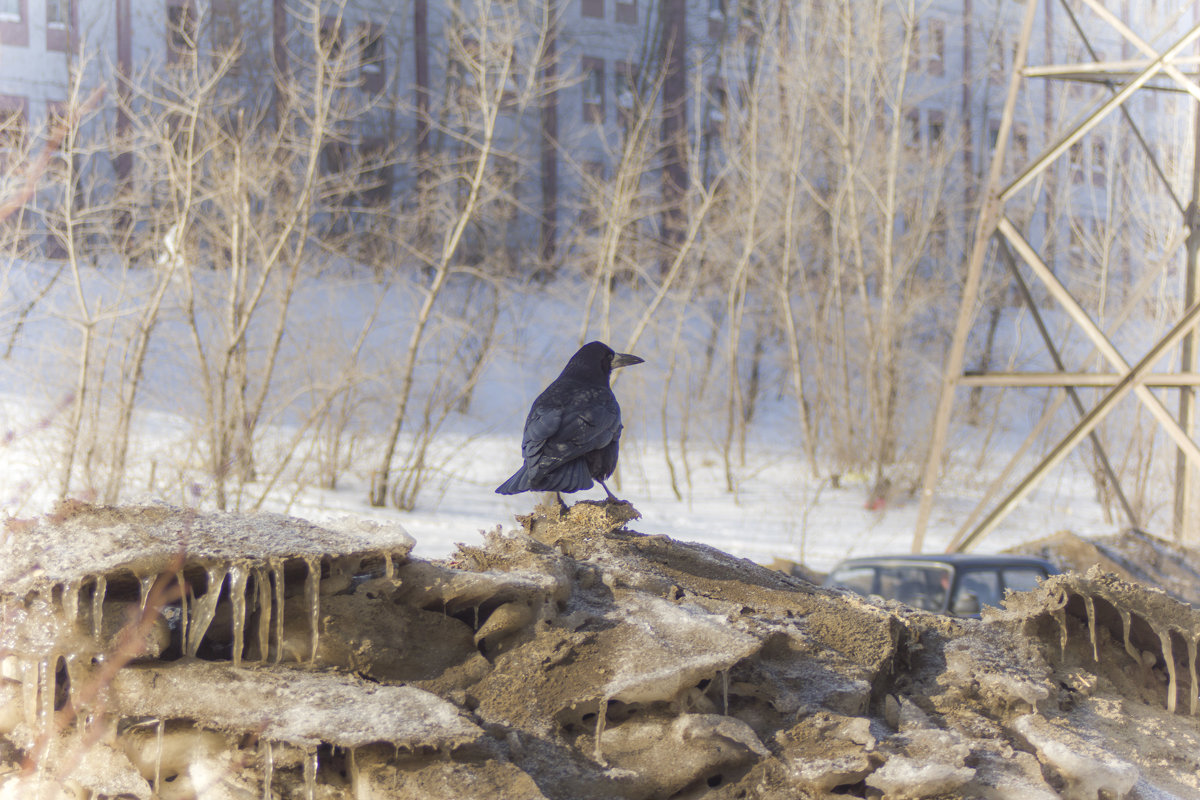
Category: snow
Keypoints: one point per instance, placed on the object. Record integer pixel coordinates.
(777, 511)
(295, 706)
(774, 509)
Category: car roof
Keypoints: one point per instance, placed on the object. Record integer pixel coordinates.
(950, 559)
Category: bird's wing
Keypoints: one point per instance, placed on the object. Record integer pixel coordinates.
(567, 424)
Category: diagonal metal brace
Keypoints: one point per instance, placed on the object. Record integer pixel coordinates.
(1073, 395)
(1110, 353)
(1085, 426)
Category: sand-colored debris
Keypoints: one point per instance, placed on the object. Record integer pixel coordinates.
(571, 658)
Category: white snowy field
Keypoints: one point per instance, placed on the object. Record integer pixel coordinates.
(777, 511)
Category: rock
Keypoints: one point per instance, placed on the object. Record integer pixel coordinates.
(584, 661)
(1089, 771)
(664, 754)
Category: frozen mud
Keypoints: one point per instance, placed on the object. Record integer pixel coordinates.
(156, 652)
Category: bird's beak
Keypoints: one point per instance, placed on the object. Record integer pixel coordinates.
(625, 360)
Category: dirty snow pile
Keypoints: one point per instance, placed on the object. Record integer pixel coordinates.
(569, 658)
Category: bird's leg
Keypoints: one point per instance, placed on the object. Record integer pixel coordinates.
(612, 498)
(552, 502)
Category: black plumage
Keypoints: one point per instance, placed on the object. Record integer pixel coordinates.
(573, 430)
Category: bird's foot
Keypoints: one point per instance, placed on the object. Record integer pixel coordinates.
(612, 498)
(552, 504)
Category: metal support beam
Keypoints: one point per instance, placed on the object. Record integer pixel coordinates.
(1121, 379)
(1068, 303)
(1097, 116)
(1072, 395)
(1082, 380)
(1182, 518)
(984, 228)
(1084, 427)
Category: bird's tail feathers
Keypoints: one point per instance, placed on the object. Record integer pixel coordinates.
(518, 483)
(571, 477)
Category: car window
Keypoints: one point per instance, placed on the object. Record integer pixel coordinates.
(918, 586)
(976, 588)
(1021, 579)
(856, 579)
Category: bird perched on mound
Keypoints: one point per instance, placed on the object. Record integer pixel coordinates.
(573, 430)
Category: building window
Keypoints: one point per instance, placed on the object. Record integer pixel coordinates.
(717, 107)
(912, 121)
(937, 128)
(626, 12)
(1099, 163)
(377, 172)
(593, 89)
(1075, 162)
(593, 193)
(592, 8)
(371, 57)
(716, 19)
(1021, 146)
(627, 91)
(14, 22)
(58, 13)
(996, 60)
(937, 46)
(181, 31)
(60, 22)
(331, 38)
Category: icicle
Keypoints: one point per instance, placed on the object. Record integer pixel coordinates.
(183, 609)
(312, 596)
(310, 774)
(389, 569)
(1090, 605)
(277, 580)
(268, 769)
(1060, 616)
(70, 601)
(147, 583)
(263, 585)
(205, 608)
(725, 690)
(158, 754)
(238, 575)
(601, 719)
(98, 605)
(75, 676)
(352, 768)
(1165, 637)
(1126, 625)
(29, 690)
(1191, 645)
(45, 688)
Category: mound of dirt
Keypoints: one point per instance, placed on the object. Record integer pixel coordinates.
(572, 658)
(1133, 555)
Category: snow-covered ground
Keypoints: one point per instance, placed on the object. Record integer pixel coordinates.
(778, 511)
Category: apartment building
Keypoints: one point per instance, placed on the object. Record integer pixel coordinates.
(600, 55)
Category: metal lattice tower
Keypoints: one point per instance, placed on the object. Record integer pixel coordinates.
(1123, 377)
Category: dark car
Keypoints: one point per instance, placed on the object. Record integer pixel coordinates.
(958, 584)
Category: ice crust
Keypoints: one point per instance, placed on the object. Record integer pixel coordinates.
(293, 705)
(81, 540)
(573, 658)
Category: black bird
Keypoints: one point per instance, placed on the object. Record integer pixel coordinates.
(574, 427)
